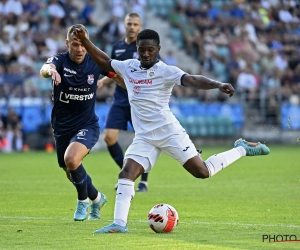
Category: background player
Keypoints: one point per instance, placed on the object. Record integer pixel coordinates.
(119, 114)
(149, 84)
(74, 122)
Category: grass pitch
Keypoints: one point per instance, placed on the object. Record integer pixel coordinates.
(253, 197)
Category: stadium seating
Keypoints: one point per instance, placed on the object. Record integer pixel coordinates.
(31, 118)
(210, 120)
(290, 117)
(199, 119)
(176, 36)
(102, 111)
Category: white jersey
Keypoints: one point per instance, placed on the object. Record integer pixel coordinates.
(149, 92)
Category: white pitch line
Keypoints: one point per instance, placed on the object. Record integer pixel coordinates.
(144, 221)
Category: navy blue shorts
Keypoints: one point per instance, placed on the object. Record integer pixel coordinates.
(118, 117)
(87, 136)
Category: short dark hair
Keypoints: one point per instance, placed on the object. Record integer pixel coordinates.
(133, 14)
(76, 26)
(148, 34)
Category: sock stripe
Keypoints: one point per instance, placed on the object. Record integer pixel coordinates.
(208, 167)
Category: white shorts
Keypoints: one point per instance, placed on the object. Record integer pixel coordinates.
(171, 139)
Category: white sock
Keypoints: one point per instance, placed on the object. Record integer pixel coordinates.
(86, 200)
(125, 194)
(97, 198)
(217, 162)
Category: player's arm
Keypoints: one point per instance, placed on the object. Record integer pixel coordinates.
(49, 70)
(112, 77)
(202, 82)
(119, 80)
(104, 81)
(99, 57)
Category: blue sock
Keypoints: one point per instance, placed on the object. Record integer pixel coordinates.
(79, 179)
(144, 177)
(116, 153)
(92, 191)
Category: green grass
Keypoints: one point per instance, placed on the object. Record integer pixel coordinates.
(232, 210)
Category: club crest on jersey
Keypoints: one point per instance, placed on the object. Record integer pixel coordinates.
(90, 79)
(50, 59)
(136, 89)
(151, 73)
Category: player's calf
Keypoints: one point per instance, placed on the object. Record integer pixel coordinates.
(196, 167)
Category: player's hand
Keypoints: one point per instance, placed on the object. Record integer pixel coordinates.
(79, 35)
(227, 89)
(99, 84)
(55, 76)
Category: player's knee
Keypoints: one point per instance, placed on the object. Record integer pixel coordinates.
(201, 172)
(109, 140)
(71, 162)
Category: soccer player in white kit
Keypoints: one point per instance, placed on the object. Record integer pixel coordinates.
(149, 83)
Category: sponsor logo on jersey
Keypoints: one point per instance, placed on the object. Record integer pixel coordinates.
(65, 97)
(90, 79)
(141, 81)
(80, 89)
(118, 52)
(70, 71)
(66, 75)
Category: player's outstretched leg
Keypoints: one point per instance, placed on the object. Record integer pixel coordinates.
(96, 207)
(252, 148)
(217, 162)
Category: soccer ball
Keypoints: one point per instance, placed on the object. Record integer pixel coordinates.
(163, 218)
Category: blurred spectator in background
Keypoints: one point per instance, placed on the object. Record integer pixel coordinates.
(87, 14)
(13, 132)
(138, 6)
(3, 140)
(224, 37)
(8, 51)
(109, 33)
(247, 85)
(170, 59)
(56, 12)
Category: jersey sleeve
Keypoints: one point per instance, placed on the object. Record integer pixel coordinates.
(173, 75)
(56, 60)
(118, 66)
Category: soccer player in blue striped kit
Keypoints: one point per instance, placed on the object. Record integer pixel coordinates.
(119, 114)
(75, 125)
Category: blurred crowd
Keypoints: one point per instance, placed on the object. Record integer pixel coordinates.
(30, 32)
(255, 45)
(252, 44)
